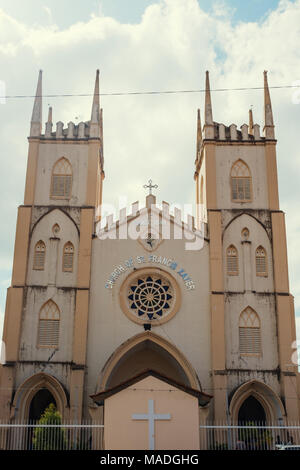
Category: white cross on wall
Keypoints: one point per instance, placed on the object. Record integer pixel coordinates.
(151, 417)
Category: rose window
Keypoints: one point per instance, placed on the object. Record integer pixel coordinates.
(150, 296)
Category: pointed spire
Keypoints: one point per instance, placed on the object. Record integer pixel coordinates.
(209, 124)
(36, 119)
(49, 123)
(199, 133)
(95, 116)
(50, 114)
(101, 123)
(96, 100)
(208, 107)
(269, 124)
(250, 121)
(101, 136)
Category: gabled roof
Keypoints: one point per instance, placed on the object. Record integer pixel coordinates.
(203, 398)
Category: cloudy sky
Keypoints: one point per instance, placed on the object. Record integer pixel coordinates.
(148, 45)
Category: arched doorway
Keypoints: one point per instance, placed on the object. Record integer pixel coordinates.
(251, 410)
(143, 356)
(41, 400)
(39, 388)
(257, 401)
(252, 418)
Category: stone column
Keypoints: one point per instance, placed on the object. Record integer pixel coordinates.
(54, 242)
(246, 247)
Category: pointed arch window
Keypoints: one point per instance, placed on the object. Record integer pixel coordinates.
(241, 182)
(261, 262)
(68, 257)
(48, 329)
(61, 183)
(249, 333)
(232, 261)
(39, 256)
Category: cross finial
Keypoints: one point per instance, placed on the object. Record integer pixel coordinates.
(150, 186)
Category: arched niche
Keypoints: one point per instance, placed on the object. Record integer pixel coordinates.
(147, 351)
(234, 234)
(55, 242)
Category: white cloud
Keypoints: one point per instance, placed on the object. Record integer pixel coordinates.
(153, 136)
(49, 13)
(221, 9)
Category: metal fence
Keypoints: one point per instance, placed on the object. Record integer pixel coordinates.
(89, 436)
(248, 435)
(66, 436)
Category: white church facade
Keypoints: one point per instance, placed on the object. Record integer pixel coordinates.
(105, 324)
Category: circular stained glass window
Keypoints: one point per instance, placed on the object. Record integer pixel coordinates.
(150, 297)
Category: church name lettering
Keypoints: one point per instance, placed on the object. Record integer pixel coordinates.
(168, 262)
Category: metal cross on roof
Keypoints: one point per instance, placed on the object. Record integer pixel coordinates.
(150, 186)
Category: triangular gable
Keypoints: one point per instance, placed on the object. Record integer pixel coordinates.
(203, 398)
(163, 215)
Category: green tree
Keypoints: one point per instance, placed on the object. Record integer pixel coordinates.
(47, 437)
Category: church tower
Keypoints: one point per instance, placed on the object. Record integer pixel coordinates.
(48, 299)
(252, 314)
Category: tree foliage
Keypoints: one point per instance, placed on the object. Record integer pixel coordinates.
(46, 437)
